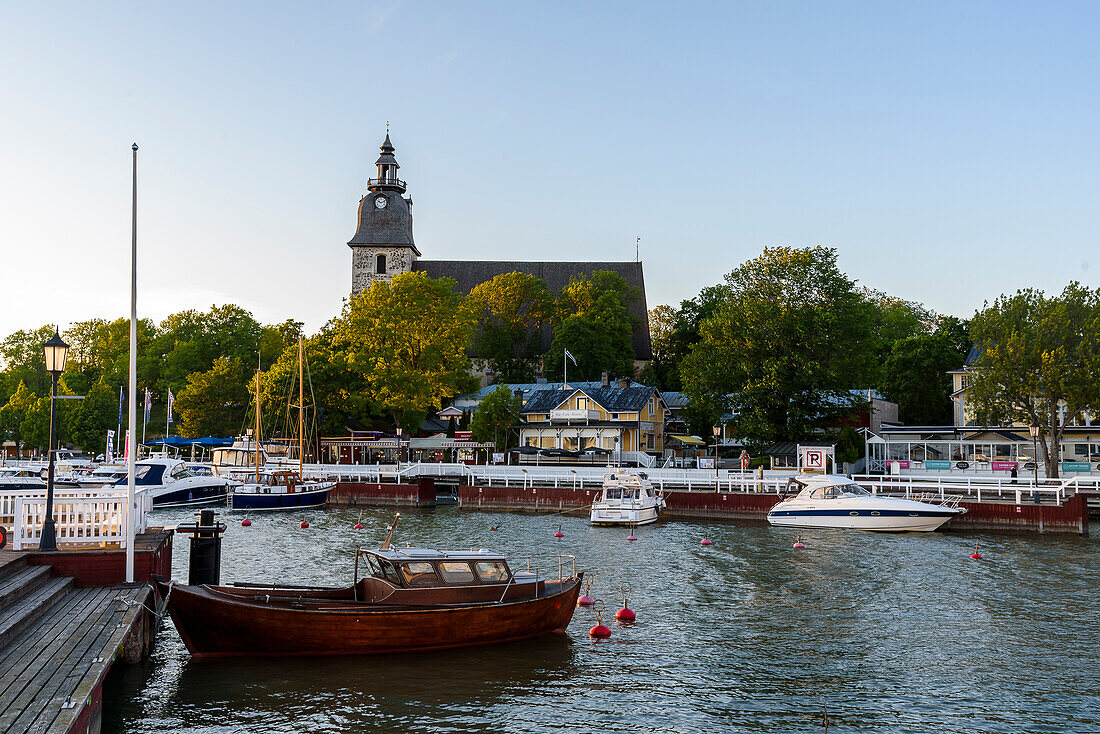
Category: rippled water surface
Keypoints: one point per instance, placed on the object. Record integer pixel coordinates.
(893, 633)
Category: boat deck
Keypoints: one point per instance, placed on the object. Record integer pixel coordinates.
(57, 642)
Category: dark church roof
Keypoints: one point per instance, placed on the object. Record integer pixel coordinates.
(556, 275)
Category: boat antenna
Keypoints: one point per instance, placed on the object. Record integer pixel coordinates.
(386, 542)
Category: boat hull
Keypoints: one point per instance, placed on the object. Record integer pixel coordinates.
(894, 521)
(216, 625)
(279, 501)
(612, 517)
(192, 496)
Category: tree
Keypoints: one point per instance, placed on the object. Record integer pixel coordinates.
(23, 358)
(14, 412)
(783, 348)
(893, 319)
(914, 375)
(1039, 362)
(599, 332)
(495, 416)
(407, 338)
(214, 402)
(514, 311)
(661, 371)
(96, 414)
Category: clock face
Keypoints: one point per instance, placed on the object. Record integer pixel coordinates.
(380, 202)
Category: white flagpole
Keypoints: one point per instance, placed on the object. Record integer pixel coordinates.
(132, 434)
(564, 369)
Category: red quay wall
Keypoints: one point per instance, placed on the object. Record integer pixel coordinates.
(1070, 517)
(107, 567)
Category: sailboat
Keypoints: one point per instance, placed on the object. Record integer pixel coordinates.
(281, 488)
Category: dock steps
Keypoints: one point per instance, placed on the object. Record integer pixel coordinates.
(56, 644)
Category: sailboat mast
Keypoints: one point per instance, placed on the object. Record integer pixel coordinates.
(301, 408)
(257, 426)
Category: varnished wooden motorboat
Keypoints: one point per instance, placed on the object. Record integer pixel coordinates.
(413, 599)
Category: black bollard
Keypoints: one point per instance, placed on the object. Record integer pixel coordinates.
(205, 564)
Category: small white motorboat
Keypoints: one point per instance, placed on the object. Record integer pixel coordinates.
(830, 501)
(627, 498)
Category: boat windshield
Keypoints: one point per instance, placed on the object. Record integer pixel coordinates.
(456, 572)
(492, 572)
(834, 491)
(419, 573)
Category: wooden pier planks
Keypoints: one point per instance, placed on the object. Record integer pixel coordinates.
(49, 670)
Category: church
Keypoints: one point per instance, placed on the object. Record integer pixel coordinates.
(383, 246)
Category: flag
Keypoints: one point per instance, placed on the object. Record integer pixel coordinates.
(171, 399)
(570, 356)
(126, 451)
(148, 403)
(109, 453)
(121, 397)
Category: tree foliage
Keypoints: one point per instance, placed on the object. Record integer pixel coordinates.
(514, 313)
(914, 375)
(784, 346)
(597, 328)
(1039, 362)
(407, 338)
(495, 416)
(214, 402)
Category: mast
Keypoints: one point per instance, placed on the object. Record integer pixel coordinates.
(257, 426)
(301, 408)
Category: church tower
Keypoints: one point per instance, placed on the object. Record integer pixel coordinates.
(383, 244)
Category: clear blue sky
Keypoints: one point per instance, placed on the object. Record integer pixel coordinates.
(949, 151)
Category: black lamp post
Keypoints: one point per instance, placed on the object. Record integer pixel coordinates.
(55, 351)
(717, 432)
(1034, 429)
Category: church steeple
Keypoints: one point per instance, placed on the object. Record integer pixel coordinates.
(387, 170)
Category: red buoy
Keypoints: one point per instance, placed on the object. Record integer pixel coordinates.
(705, 541)
(631, 537)
(357, 526)
(246, 523)
(303, 524)
(625, 615)
(585, 601)
(976, 555)
(492, 528)
(600, 631)
(559, 534)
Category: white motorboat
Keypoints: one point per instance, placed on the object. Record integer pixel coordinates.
(102, 476)
(172, 484)
(627, 498)
(830, 501)
(22, 477)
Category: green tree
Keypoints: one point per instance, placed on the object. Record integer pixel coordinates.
(495, 416)
(1039, 362)
(914, 375)
(214, 402)
(599, 333)
(661, 372)
(784, 347)
(15, 411)
(408, 338)
(513, 311)
(23, 358)
(96, 414)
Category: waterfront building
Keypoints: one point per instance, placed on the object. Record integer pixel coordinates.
(383, 246)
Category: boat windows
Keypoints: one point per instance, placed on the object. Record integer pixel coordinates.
(492, 572)
(419, 573)
(456, 572)
(855, 489)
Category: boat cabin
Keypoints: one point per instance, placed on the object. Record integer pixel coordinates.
(824, 487)
(425, 567)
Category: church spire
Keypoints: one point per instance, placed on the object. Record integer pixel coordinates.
(387, 170)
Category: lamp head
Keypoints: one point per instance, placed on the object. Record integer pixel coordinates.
(717, 430)
(55, 351)
(1034, 429)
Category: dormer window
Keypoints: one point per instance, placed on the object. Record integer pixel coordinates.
(380, 265)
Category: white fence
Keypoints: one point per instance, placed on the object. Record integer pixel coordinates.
(83, 517)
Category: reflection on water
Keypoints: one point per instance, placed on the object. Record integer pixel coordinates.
(892, 632)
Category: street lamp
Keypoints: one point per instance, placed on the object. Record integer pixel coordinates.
(1034, 429)
(399, 449)
(55, 352)
(717, 432)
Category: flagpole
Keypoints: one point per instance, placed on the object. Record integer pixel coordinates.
(131, 434)
(564, 369)
(144, 415)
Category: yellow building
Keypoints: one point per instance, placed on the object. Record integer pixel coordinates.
(622, 416)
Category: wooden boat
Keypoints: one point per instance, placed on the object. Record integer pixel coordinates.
(412, 600)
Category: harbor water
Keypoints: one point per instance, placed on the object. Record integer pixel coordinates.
(887, 633)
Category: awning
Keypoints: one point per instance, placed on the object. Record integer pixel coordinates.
(690, 440)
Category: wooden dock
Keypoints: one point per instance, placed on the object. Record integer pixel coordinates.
(60, 634)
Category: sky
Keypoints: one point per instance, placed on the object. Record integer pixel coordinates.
(949, 151)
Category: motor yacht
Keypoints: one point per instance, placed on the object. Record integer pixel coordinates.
(22, 477)
(627, 498)
(279, 490)
(831, 501)
(172, 484)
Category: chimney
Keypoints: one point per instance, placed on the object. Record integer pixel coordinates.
(624, 382)
(605, 379)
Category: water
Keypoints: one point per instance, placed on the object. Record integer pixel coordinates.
(893, 633)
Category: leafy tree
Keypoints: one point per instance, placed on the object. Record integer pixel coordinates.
(96, 414)
(23, 358)
(407, 338)
(1039, 362)
(599, 333)
(214, 402)
(35, 427)
(783, 348)
(495, 416)
(14, 412)
(661, 371)
(514, 311)
(849, 446)
(915, 377)
(583, 292)
(682, 334)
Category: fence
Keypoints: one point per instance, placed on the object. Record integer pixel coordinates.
(80, 516)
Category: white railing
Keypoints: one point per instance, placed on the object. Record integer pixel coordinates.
(989, 489)
(93, 518)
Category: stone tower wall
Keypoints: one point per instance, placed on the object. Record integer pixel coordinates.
(364, 259)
